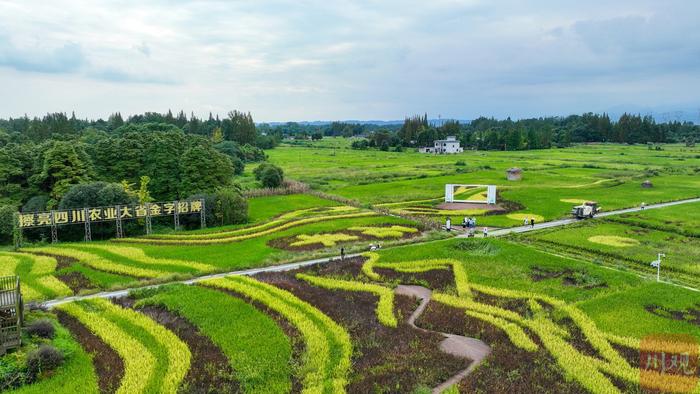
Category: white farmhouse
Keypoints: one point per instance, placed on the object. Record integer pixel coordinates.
(449, 145)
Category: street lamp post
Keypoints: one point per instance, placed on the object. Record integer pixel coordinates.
(657, 263)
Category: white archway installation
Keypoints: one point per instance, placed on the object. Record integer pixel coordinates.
(453, 191)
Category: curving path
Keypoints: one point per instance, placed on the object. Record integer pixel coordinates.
(456, 345)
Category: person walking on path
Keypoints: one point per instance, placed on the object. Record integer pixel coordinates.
(532, 222)
(486, 232)
(448, 224)
(342, 253)
(465, 223)
(526, 221)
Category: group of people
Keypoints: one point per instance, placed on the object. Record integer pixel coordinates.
(530, 221)
(468, 224)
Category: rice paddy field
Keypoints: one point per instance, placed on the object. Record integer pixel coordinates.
(571, 309)
(552, 183)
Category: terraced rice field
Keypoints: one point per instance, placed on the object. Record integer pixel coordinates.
(274, 235)
(548, 312)
(552, 183)
(341, 327)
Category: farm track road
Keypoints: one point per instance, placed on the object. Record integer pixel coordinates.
(564, 222)
(291, 266)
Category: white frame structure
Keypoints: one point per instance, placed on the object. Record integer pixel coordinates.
(490, 194)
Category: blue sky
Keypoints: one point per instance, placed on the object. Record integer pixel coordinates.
(309, 60)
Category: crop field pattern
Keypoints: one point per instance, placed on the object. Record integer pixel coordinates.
(551, 184)
(283, 228)
(631, 241)
(559, 310)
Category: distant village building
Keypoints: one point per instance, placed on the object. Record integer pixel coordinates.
(449, 145)
(514, 174)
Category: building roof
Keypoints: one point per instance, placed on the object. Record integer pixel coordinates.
(450, 138)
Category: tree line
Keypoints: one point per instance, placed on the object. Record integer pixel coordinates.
(537, 133)
(172, 157)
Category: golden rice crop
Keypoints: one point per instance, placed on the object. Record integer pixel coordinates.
(325, 239)
(204, 239)
(385, 306)
(384, 232)
(100, 263)
(613, 240)
(328, 347)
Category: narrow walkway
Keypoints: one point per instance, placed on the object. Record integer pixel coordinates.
(456, 345)
(564, 222)
(124, 292)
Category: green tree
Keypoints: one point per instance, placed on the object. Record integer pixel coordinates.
(217, 136)
(272, 178)
(259, 170)
(16, 167)
(143, 194)
(96, 194)
(7, 223)
(240, 127)
(65, 164)
(230, 206)
(204, 169)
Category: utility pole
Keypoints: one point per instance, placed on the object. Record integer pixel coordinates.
(657, 263)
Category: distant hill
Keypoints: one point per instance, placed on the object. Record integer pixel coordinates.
(660, 114)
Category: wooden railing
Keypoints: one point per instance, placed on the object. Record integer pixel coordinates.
(11, 311)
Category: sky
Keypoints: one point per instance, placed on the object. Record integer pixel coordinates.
(325, 60)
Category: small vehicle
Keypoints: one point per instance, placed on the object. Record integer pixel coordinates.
(586, 210)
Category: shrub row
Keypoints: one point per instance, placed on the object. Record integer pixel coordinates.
(141, 369)
(385, 306)
(328, 348)
(288, 187)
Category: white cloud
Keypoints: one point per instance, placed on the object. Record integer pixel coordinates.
(284, 59)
